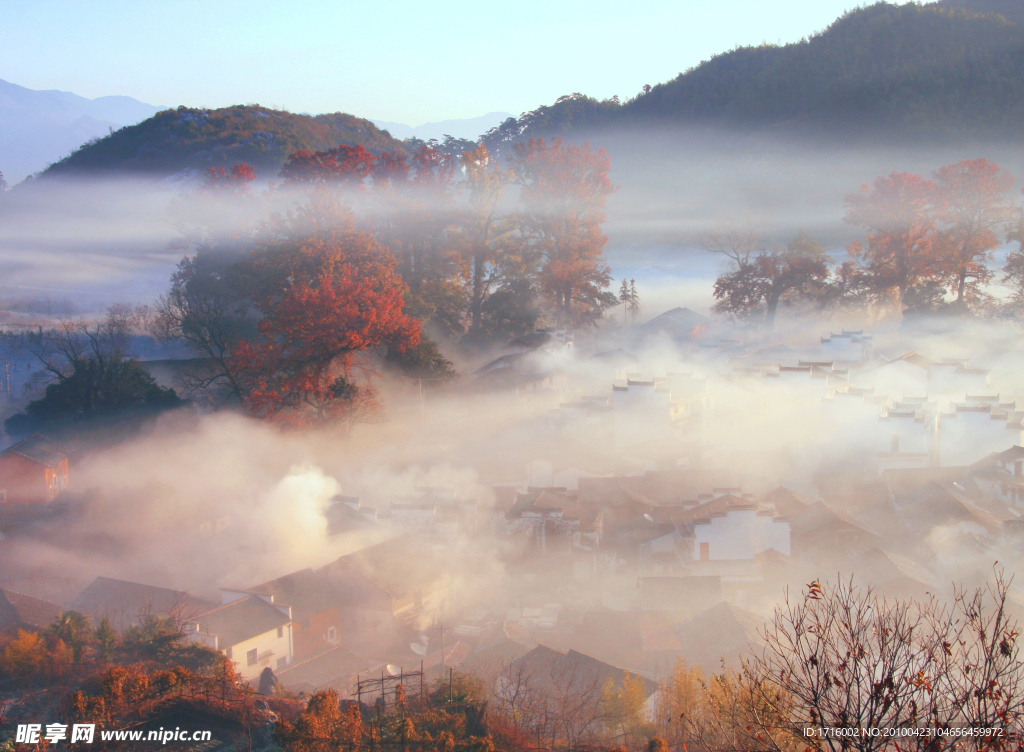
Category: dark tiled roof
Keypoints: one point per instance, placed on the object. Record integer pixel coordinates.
(123, 602)
(306, 591)
(547, 667)
(334, 667)
(399, 565)
(39, 449)
(722, 633)
(676, 318)
(241, 620)
(17, 610)
(1011, 455)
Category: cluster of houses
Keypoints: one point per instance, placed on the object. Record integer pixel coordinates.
(626, 533)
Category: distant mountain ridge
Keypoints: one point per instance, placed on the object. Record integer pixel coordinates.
(173, 141)
(909, 71)
(39, 127)
(471, 128)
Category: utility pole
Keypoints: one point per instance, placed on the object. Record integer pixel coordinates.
(441, 629)
(420, 381)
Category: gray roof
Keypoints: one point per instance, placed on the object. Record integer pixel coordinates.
(125, 603)
(548, 667)
(306, 591)
(24, 611)
(241, 620)
(39, 448)
(334, 667)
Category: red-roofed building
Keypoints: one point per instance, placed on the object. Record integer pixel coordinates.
(33, 471)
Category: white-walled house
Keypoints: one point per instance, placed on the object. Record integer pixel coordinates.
(848, 346)
(974, 429)
(731, 528)
(908, 436)
(251, 632)
(915, 375)
(646, 408)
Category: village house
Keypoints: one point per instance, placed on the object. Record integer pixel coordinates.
(556, 674)
(679, 325)
(436, 513)
(125, 604)
(1001, 474)
(251, 632)
(399, 582)
(975, 428)
(848, 346)
(334, 668)
(733, 528)
(26, 613)
(33, 471)
(908, 433)
(314, 603)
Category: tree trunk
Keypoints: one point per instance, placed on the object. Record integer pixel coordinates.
(477, 302)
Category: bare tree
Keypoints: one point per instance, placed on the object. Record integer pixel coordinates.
(203, 311)
(739, 244)
(556, 706)
(879, 670)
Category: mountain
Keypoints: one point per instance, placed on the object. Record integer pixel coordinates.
(906, 71)
(40, 127)
(471, 128)
(185, 139)
(1011, 10)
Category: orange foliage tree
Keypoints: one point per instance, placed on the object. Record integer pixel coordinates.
(564, 189)
(899, 251)
(324, 295)
(972, 201)
(344, 164)
(482, 227)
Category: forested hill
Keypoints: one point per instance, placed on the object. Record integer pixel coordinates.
(906, 70)
(182, 139)
(1011, 10)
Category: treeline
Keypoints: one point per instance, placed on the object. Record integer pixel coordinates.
(293, 298)
(909, 71)
(285, 308)
(115, 681)
(928, 250)
(92, 382)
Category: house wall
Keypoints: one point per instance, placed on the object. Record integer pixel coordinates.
(310, 637)
(740, 534)
(967, 436)
(640, 413)
(279, 647)
(28, 482)
(909, 435)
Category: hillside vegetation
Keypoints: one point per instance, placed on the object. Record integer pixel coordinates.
(182, 139)
(908, 69)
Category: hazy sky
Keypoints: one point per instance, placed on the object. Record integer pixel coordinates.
(408, 62)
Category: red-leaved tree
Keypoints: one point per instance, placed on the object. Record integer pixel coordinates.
(345, 165)
(324, 297)
(899, 251)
